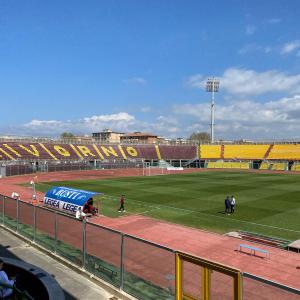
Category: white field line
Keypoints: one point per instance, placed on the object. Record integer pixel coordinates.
(147, 211)
(209, 215)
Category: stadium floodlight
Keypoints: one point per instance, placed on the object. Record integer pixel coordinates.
(212, 86)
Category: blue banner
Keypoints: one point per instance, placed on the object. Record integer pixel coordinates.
(67, 199)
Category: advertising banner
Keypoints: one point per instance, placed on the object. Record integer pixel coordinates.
(67, 199)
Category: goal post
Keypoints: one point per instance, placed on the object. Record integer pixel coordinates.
(149, 170)
(146, 168)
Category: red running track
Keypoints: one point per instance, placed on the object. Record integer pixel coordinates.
(282, 267)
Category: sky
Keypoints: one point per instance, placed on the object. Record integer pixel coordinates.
(141, 65)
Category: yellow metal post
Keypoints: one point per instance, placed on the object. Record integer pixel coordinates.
(206, 284)
(178, 277)
(208, 268)
(237, 287)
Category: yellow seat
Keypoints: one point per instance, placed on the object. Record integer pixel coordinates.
(210, 151)
(227, 165)
(245, 151)
(296, 167)
(285, 151)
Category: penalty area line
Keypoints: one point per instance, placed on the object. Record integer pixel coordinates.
(160, 206)
(147, 211)
(220, 217)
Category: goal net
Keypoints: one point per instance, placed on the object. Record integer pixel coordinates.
(149, 170)
(161, 168)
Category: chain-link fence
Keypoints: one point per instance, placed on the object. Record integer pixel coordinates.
(141, 268)
(25, 167)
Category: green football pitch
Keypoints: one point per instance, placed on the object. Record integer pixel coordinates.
(268, 204)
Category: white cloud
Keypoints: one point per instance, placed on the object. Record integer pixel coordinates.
(246, 118)
(274, 21)
(241, 118)
(122, 116)
(146, 109)
(245, 82)
(238, 118)
(267, 49)
(248, 48)
(290, 47)
(136, 80)
(37, 123)
(196, 81)
(120, 121)
(250, 82)
(250, 29)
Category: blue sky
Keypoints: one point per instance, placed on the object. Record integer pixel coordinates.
(136, 65)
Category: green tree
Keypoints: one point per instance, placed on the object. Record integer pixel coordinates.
(66, 135)
(201, 137)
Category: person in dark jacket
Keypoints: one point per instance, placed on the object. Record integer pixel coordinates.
(227, 205)
(122, 204)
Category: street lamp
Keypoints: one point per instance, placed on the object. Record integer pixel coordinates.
(212, 86)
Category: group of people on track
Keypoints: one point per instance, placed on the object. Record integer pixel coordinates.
(229, 205)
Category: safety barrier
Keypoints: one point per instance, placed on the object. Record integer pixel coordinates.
(228, 165)
(146, 270)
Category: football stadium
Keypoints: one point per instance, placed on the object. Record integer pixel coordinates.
(150, 150)
(175, 238)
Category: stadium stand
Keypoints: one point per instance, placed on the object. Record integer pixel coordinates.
(285, 151)
(295, 167)
(245, 151)
(264, 166)
(279, 166)
(39, 151)
(275, 166)
(227, 165)
(210, 151)
(28, 157)
(268, 151)
(177, 152)
(146, 151)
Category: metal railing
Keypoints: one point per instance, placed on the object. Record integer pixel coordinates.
(136, 266)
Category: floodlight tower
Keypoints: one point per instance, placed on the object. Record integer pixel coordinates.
(212, 86)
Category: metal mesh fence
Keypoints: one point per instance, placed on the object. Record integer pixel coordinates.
(10, 213)
(26, 219)
(221, 286)
(69, 238)
(45, 228)
(103, 253)
(254, 289)
(26, 167)
(192, 280)
(149, 270)
(1, 208)
(140, 268)
(12, 170)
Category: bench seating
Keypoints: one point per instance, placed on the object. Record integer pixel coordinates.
(106, 270)
(253, 250)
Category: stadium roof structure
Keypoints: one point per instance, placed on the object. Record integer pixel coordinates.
(139, 134)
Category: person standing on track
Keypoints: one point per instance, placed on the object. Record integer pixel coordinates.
(122, 204)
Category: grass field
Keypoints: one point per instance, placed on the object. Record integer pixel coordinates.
(265, 203)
